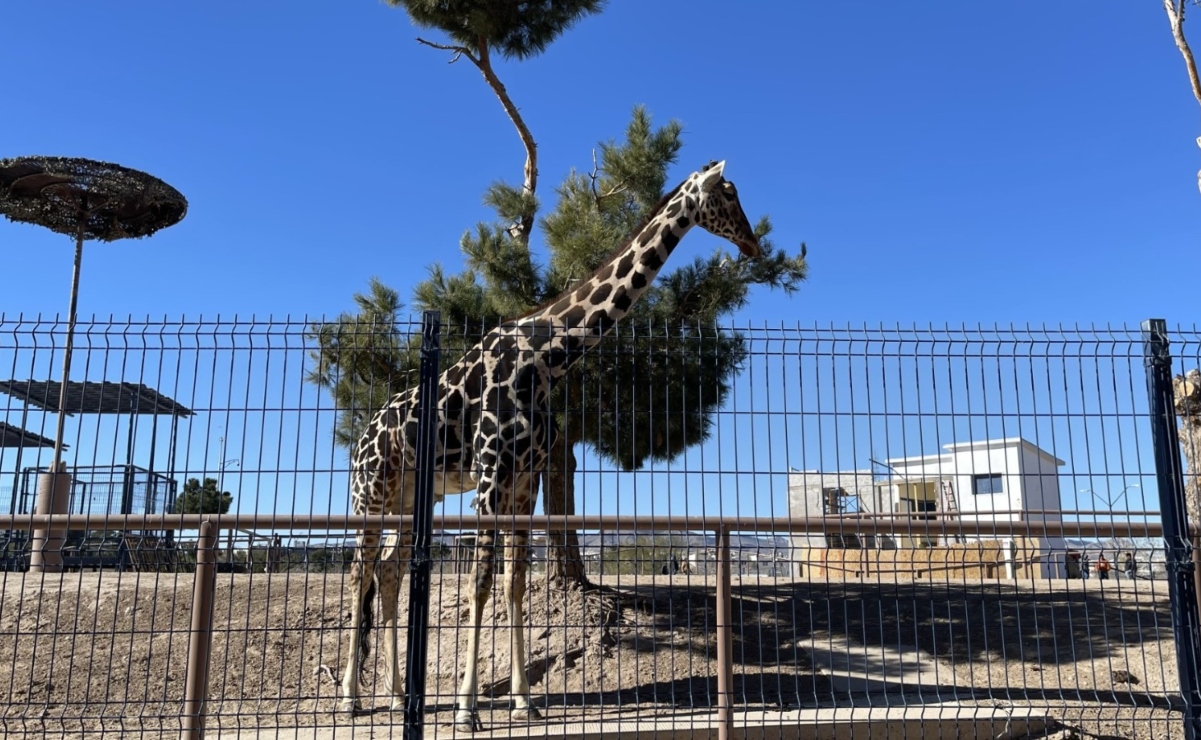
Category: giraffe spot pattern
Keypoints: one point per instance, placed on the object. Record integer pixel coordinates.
(601, 293)
(624, 265)
(622, 301)
(652, 259)
(573, 316)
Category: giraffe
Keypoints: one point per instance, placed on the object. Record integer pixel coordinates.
(494, 433)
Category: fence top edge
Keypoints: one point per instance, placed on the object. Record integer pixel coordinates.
(1134, 330)
(903, 525)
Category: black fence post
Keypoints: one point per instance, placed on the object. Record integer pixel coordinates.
(423, 515)
(1186, 623)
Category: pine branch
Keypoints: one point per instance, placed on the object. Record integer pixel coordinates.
(460, 51)
(594, 176)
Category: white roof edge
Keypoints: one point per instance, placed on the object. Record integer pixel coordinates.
(917, 458)
(1004, 442)
(985, 444)
(830, 474)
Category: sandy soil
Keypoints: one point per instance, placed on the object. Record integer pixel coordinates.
(86, 653)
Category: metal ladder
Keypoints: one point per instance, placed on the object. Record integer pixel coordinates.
(951, 504)
(948, 496)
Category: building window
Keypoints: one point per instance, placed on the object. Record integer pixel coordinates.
(984, 485)
(921, 506)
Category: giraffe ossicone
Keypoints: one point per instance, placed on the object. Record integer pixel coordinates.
(495, 431)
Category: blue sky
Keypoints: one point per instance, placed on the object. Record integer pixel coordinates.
(965, 162)
(944, 162)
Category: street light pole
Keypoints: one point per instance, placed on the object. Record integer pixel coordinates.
(229, 556)
(1109, 501)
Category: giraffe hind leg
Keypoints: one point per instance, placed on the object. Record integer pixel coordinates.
(397, 552)
(362, 588)
(466, 717)
(516, 567)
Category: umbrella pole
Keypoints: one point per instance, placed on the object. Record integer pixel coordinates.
(62, 391)
(54, 488)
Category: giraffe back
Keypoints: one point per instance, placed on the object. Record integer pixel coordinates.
(492, 415)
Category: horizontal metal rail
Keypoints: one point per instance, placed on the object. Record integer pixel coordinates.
(600, 522)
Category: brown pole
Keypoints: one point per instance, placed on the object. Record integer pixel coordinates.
(46, 541)
(54, 488)
(200, 639)
(725, 639)
(62, 391)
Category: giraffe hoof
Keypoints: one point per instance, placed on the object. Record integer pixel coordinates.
(398, 704)
(467, 720)
(525, 714)
(349, 706)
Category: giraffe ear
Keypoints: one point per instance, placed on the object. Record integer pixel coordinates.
(711, 174)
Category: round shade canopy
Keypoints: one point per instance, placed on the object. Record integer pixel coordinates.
(109, 201)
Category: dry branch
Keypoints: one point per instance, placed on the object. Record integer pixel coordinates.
(1175, 10)
(482, 59)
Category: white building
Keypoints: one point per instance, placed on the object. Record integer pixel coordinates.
(993, 480)
(813, 494)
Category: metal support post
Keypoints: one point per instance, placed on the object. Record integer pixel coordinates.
(46, 543)
(1186, 623)
(423, 515)
(200, 639)
(725, 639)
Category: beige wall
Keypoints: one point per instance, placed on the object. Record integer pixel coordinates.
(975, 560)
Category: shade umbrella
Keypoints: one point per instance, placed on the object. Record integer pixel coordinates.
(85, 199)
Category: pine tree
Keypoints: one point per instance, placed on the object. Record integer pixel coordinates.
(203, 498)
(683, 364)
(669, 343)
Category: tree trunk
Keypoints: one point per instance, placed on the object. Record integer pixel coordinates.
(482, 59)
(1175, 9)
(564, 565)
(530, 182)
(1186, 392)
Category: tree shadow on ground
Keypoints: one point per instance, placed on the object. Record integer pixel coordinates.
(777, 624)
(969, 622)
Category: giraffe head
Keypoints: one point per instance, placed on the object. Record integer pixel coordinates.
(719, 211)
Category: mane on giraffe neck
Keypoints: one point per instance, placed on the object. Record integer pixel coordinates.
(614, 256)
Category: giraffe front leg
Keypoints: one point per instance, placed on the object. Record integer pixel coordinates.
(362, 590)
(516, 567)
(397, 551)
(466, 718)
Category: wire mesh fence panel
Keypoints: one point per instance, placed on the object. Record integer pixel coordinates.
(939, 529)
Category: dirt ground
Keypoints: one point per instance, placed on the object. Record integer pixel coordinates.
(105, 652)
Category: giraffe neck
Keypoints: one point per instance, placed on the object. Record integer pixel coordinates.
(582, 316)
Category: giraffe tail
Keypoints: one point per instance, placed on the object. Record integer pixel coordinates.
(365, 627)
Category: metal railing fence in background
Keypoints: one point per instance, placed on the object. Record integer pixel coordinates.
(835, 525)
